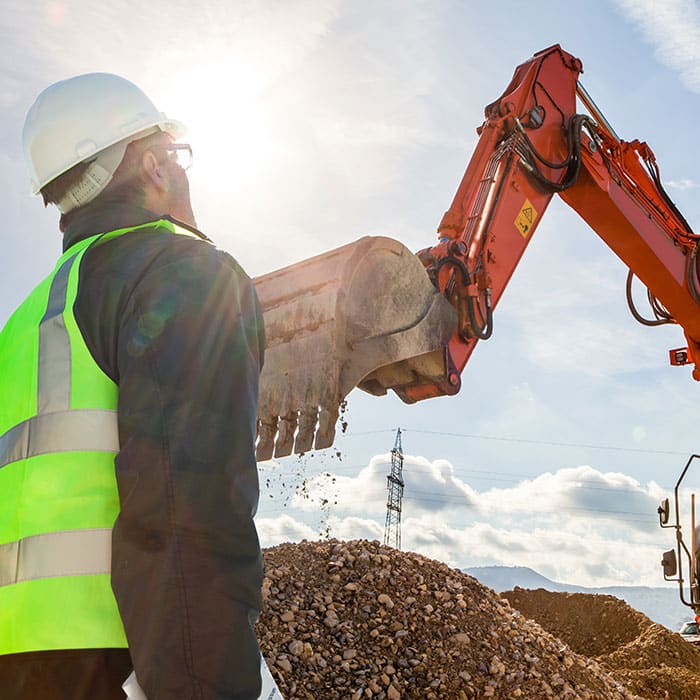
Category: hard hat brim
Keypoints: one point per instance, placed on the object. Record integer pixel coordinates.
(174, 128)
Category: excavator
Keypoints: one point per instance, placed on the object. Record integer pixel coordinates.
(374, 315)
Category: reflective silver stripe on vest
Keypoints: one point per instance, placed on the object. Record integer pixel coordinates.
(68, 553)
(81, 430)
(54, 381)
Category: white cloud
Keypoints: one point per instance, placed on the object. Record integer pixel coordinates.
(581, 493)
(430, 486)
(682, 185)
(434, 487)
(284, 528)
(590, 558)
(673, 27)
(576, 525)
(354, 528)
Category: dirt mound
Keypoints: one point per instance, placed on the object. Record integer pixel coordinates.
(589, 624)
(358, 620)
(648, 658)
(655, 646)
(662, 683)
(658, 664)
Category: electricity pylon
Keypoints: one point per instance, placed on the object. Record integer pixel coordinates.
(392, 528)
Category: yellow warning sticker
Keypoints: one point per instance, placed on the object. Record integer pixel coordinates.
(525, 218)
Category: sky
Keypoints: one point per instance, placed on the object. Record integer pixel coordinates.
(315, 123)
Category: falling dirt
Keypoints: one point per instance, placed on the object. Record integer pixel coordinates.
(298, 480)
(343, 417)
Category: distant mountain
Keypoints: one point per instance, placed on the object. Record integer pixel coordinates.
(660, 604)
(505, 578)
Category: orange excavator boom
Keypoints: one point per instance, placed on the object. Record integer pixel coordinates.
(372, 315)
(535, 144)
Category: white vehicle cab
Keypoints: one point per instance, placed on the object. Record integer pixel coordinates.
(690, 632)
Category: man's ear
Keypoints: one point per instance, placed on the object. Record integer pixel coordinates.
(152, 171)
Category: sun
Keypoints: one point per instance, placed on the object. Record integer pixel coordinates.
(228, 122)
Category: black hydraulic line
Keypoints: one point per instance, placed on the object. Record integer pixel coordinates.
(653, 170)
(496, 199)
(665, 318)
(537, 84)
(483, 331)
(692, 271)
(455, 263)
(572, 161)
(541, 158)
(660, 311)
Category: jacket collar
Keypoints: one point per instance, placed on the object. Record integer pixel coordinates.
(108, 217)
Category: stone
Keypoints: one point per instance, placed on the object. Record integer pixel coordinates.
(385, 600)
(392, 693)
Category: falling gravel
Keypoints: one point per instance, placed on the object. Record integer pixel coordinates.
(356, 620)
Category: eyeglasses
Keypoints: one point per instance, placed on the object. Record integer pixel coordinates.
(180, 153)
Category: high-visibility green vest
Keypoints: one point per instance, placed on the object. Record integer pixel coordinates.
(58, 491)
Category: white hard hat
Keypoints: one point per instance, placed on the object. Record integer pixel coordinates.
(76, 119)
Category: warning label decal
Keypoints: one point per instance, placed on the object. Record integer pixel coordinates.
(525, 218)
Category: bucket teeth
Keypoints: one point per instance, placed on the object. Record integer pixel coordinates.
(266, 439)
(307, 427)
(285, 437)
(326, 427)
(295, 433)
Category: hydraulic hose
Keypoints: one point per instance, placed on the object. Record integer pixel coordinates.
(485, 330)
(530, 157)
(662, 315)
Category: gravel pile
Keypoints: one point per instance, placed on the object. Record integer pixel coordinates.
(648, 658)
(356, 620)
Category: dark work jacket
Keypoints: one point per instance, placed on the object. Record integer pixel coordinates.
(177, 325)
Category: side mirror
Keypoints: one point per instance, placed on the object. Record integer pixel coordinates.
(663, 510)
(668, 563)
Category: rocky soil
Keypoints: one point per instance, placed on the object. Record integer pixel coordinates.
(356, 620)
(648, 658)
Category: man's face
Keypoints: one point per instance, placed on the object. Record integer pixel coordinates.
(181, 206)
(177, 196)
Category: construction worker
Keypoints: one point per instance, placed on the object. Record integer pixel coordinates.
(129, 383)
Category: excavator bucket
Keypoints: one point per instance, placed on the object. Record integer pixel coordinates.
(366, 315)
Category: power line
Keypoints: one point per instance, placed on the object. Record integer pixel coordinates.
(462, 474)
(527, 441)
(308, 471)
(422, 497)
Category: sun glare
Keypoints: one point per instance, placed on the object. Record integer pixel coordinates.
(228, 125)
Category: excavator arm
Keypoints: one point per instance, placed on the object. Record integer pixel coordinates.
(532, 146)
(372, 315)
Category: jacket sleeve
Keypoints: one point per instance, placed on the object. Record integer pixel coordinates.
(186, 561)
